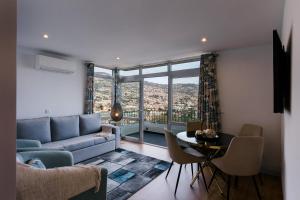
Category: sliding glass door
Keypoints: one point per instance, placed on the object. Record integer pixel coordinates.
(155, 109)
(158, 97)
(130, 100)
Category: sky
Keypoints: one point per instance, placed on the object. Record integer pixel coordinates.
(164, 79)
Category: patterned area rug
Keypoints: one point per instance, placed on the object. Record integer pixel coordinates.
(128, 172)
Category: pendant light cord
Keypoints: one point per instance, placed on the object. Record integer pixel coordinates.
(115, 85)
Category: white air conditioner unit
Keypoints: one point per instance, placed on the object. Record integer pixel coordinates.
(54, 64)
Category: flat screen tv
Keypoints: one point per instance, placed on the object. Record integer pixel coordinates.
(278, 73)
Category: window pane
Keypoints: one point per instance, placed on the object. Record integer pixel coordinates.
(155, 104)
(152, 70)
(102, 71)
(129, 72)
(188, 65)
(102, 96)
(185, 99)
(130, 93)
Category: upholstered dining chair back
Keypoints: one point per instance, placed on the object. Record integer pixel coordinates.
(251, 130)
(176, 152)
(194, 125)
(243, 156)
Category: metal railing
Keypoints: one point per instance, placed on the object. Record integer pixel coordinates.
(161, 116)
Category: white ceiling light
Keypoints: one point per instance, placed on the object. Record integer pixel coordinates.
(118, 58)
(46, 36)
(204, 39)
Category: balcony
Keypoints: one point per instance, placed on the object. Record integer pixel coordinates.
(154, 124)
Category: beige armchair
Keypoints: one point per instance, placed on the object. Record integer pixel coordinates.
(181, 156)
(243, 158)
(251, 130)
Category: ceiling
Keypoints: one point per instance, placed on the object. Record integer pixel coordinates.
(145, 31)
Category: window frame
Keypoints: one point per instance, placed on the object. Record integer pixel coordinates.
(193, 72)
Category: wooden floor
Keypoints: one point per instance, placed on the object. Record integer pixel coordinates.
(162, 189)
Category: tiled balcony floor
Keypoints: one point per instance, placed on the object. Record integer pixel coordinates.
(152, 138)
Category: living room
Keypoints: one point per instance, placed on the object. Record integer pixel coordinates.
(107, 87)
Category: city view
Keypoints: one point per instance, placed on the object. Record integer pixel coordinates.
(185, 98)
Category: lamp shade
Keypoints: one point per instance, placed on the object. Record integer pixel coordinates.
(116, 112)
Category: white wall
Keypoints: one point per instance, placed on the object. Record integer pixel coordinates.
(245, 78)
(291, 129)
(38, 90)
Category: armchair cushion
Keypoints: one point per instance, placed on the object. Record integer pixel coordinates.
(89, 123)
(64, 127)
(50, 159)
(34, 129)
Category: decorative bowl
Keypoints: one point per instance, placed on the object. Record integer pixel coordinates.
(207, 135)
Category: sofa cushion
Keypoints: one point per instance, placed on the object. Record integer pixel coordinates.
(72, 144)
(54, 145)
(64, 127)
(34, 129)
(99, 140)
(77, 143)
(89, 123)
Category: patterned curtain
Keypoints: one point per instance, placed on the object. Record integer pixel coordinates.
(89, 95)
(208, 93)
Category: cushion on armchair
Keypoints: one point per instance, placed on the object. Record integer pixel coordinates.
(64, 127)
(89, 123)
(34, 129)
(36, 163)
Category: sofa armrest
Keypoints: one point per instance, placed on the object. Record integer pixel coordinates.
(39, 149)
(24, 143)
(116, 131)
(90, 194)
(49, 158)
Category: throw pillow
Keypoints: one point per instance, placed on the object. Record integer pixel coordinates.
(36, 163)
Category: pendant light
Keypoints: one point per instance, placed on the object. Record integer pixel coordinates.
(116, 110)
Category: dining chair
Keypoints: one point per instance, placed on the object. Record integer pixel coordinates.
(182, 156)
(251, 130)
(194, 125)
(242, 158)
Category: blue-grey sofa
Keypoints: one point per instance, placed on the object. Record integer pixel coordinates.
(76, 134)
(56, 158)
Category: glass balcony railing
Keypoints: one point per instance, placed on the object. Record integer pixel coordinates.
(161, 116)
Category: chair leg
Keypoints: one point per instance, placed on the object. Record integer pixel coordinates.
(212, 178)
(236, 181)
(203, 176)
(228, 186)
(198, 168)
(178, 179)
(260, 178)
(256, 187)
(169, 169)
(192, 169)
